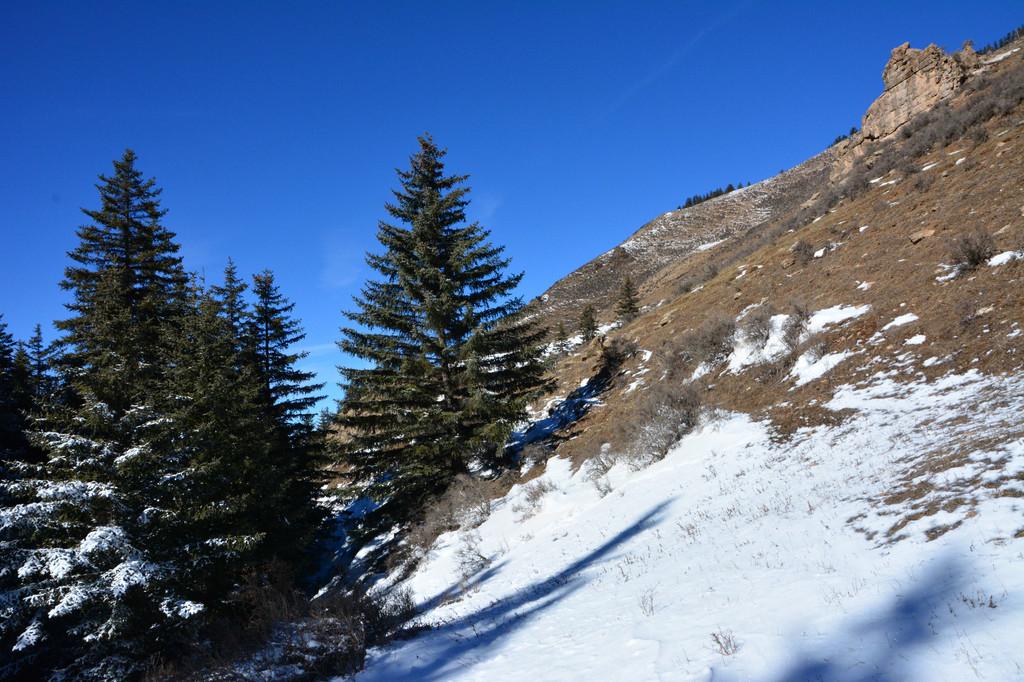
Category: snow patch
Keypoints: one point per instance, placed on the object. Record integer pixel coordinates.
(1005, 257)
(901, 320)
(835, 315)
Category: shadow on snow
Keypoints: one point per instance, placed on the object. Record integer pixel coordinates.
(480, 629)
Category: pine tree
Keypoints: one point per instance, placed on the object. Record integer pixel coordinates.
(128, 286)
(561, 339)
(85, 531)
(628, 305)
(588, 323)
(452, 365)
(286, 398)
(13, 444)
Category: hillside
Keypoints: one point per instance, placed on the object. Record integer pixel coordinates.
(803, 460)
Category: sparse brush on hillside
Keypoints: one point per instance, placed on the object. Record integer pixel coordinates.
(971, 250)
(711, 343)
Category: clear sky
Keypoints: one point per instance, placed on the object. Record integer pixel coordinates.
(274, 128)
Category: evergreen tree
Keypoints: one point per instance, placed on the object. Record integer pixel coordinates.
(127, 285)
(561, 339)
(39, 363)
(452, 365)
(100, 594)
(216, 447)
(588, 323)
(12, 389)
(286, 399)
(628, 305)
(234, 310)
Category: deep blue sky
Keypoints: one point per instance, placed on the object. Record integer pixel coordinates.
(274, 128)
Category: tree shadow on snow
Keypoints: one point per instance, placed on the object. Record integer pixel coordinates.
(482, 628)
(933, 612)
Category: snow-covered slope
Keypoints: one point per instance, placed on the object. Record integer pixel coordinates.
(743, 556)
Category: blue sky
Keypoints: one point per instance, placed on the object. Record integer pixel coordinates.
(274, 128)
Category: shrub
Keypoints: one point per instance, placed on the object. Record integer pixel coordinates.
(663, 415)
(533, 493)
(971, 250)
(466, 503)
(618, 349)
(711, 343)
(288, 634)
(803, 251)
(757, 326)
(598, 467)
(705, 273)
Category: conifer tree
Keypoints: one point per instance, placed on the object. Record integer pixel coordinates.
(451, 364)
(286, 398)
(217, 446)
(101, 591)
(39, 365)
(628, 305)
(12, 423)
(561, 339)
(127, 286)
(588, 323)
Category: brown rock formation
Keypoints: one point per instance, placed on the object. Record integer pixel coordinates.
(915, 80)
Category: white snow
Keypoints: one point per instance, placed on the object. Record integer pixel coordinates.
(710, 245)
(789, 551)
(915, 340)
(101, 539)
(901, 320)
(835, 315)
(1004, 258)
(808, 367)
(1001, 57)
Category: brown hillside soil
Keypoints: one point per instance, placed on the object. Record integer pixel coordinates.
(889, 248)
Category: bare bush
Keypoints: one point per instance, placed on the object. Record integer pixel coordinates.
(663, 416)
(815, 347)
(757, 326)
(801, 309)
(597, 468)
(466, 503)
(711, 343)
(618, 349)
(533, 493)
(724, 642)
(705, 273)
(471, 559)
(971, 250)
(803, 251)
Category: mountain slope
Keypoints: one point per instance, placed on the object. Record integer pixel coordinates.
(803, 460)
(734, 559)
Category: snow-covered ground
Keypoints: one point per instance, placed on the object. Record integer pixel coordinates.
(745, 557)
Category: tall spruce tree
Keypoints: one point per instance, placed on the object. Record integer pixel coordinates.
(452, 366)
(127, 287)
(13, 444)
(287, 398)
(216, 445)
(102, 595)
(588, 323)
(628, 305)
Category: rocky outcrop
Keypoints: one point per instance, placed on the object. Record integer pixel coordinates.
(915, 80)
